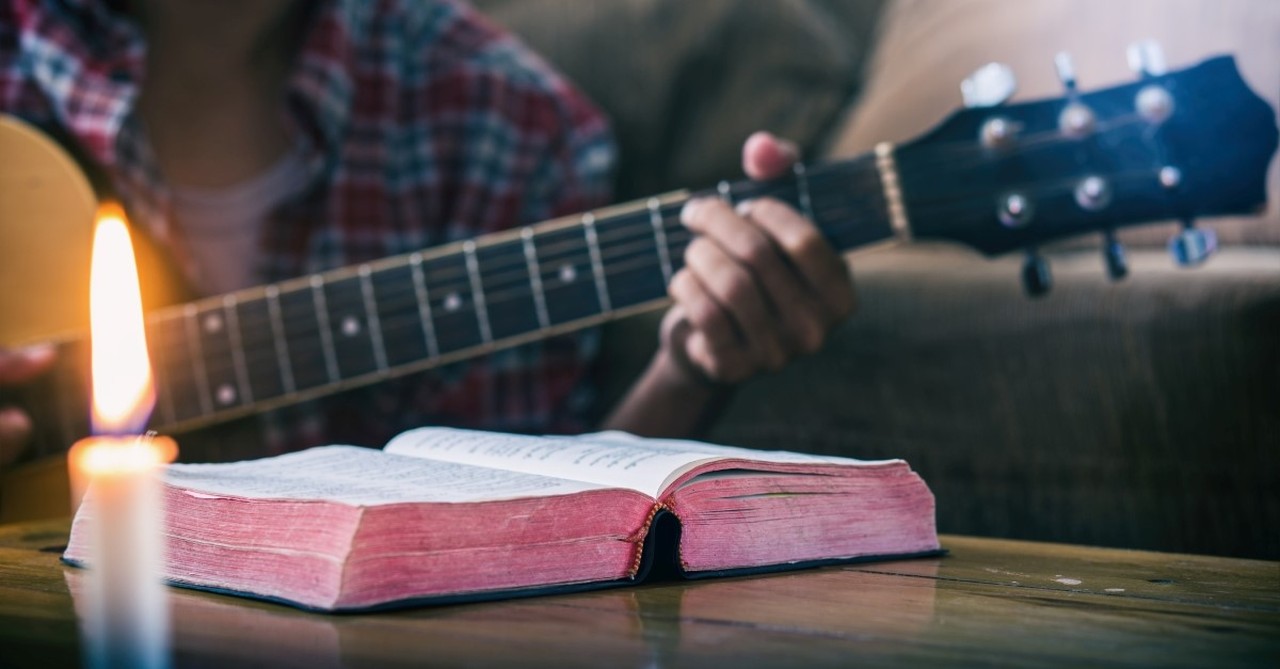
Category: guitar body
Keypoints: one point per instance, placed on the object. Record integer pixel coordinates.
(46, 231)
(46, 234)
(47, 207)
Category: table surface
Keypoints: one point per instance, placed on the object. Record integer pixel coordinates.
(988, 602)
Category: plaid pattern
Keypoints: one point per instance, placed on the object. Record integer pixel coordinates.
(422, 123)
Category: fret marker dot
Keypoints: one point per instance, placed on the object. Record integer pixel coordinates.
(226, 394)
(452, 302)
(213, 323)
(568, 273)
(350, 326)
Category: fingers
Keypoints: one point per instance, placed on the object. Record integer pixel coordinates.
(15, 430)
(798, 314)
(766, 157)
(19, 366)
(760, 285)
(693, 354)
(22, 365)
(804, 278)
(801, 243)
(727, 306)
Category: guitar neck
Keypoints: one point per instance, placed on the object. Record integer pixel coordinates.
(244, 352)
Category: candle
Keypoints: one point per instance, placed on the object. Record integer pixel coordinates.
(127, 619)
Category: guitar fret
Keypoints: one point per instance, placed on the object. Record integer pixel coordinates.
(477, 291)
(375, 324)
(535, 277)
(565, 265)
(163, 395)
(197, 360)
(167, 413)
(237, 348)
(424, 305)
(326, 335)
(597, 265)
(802, 188)
(281, 344)
(660, 236)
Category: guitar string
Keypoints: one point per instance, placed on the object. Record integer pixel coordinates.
(679, 247)
(495, 299)
(576, 250)
(926, 159)
(516, 273)
(574, 244)
(936, 205)
(496, 304)
(945, 153)
(498, 296)
(314, 339)
(613, 253)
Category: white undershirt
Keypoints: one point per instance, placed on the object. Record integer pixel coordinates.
(223, 226)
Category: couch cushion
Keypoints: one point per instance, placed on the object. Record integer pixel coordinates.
(926, 48)
(686, 82)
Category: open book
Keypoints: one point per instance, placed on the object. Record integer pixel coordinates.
(443, 515)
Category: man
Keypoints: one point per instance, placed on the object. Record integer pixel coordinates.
(262, 139)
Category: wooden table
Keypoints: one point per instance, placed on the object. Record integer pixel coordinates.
(989, 602)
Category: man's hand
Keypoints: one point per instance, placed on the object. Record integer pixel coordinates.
(760, 285)
(19, 366)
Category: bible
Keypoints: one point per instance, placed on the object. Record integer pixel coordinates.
(441, 515)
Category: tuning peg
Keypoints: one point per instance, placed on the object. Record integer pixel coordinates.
(989, 86)
(1066, 71)
(1113, 255)
(1146, 58)
(1193, 245)
(1036, 278)
(1076, 120)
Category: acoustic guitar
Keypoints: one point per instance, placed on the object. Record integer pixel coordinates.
(996, 178)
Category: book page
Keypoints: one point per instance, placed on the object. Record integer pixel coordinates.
(362, 477)
(614, 459)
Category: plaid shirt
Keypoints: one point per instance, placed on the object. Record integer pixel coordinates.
(422, 123)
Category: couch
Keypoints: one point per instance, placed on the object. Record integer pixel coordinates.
(1141, 414)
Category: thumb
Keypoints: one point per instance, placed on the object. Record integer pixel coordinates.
(675, 332)
(15, 428)
(20, 365)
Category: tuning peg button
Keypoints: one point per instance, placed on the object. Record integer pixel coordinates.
(1113, 255)
(1036, 277)
(1147, 58)
(1192, 246)
(1154, 104)
(998, 133)
(1066, 71)
(989, 86)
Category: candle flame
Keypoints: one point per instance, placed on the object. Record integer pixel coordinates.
(123, 391)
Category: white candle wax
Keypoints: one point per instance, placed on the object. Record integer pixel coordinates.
(127, 620)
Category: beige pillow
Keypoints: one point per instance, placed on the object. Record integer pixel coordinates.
(685, 81)
(927, 47)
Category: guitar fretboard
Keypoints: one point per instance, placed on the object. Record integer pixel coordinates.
(230, 355)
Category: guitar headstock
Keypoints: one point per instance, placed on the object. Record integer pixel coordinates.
(1169, 146)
